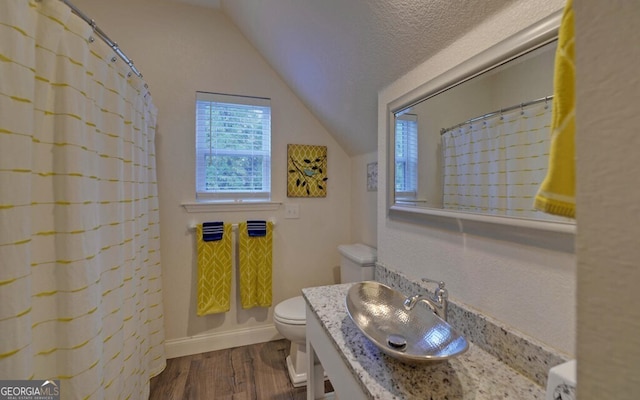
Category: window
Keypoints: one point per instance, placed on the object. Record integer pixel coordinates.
(233, 147)
(406, 156)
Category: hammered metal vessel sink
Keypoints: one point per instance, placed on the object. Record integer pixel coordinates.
(412, 336)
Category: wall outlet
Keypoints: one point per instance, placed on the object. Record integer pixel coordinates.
(291, 211)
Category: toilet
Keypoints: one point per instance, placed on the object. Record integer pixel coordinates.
(356, 264)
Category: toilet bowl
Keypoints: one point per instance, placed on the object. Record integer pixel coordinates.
(289, 319)
(357, 264)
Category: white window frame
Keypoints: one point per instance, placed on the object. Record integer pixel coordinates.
(406, 131)
(207, 148)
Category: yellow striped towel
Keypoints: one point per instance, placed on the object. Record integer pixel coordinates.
(558, 190)
(255, 267)
(214, 273)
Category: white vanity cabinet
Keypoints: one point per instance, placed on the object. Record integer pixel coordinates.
(323, 356)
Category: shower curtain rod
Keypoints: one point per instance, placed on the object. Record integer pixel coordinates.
(500, 111)
(104, 37)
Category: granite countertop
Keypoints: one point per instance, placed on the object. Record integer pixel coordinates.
(475, 374)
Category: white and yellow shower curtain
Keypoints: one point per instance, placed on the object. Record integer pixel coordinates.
(80, 281)
(496, 165)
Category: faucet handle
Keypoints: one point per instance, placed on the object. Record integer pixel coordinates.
(440, 293)
(440, 283)
(441, 296)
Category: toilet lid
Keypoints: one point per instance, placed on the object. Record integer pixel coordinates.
(291, 311)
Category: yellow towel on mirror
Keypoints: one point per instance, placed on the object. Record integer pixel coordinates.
(255, 267)
(558, 190)
(214, 273)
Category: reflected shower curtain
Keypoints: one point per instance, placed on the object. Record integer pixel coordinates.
(496, 165)
(80, 284)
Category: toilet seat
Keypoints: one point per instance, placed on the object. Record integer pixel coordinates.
(291, 311)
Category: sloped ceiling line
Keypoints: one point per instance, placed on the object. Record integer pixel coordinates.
(337, 54)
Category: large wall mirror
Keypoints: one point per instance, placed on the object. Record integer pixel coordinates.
(473, 143)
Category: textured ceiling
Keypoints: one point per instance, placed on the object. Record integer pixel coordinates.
(337, 54)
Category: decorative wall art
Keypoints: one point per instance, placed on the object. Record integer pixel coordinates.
(372, 177)
(307, 170)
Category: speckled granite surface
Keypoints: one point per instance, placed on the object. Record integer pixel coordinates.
(475, 375)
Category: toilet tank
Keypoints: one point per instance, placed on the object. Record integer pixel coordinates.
(357, 262)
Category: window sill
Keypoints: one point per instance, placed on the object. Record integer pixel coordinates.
(210, 206)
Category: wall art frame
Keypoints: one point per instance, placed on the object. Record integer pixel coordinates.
(306, 170)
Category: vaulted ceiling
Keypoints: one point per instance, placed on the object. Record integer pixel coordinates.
(337, 54)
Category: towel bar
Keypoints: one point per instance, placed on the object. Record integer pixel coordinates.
(193, 226)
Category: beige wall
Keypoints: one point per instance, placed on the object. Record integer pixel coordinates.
(530, 288)
(608, 150)
(364, 203)
(180, 49)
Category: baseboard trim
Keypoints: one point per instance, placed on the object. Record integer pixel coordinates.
(219, 340)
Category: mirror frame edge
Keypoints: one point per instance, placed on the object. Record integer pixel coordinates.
(547, 234)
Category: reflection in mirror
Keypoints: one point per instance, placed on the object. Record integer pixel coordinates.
(480, 146)
(406, 170)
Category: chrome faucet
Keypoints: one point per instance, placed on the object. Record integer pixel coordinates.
(437, 303)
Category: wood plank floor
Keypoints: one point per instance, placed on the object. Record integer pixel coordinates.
(250, 372)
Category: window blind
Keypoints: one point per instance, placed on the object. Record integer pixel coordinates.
(406, 155)
(233, 147)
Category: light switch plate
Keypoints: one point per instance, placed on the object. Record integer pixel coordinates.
(291, 211)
